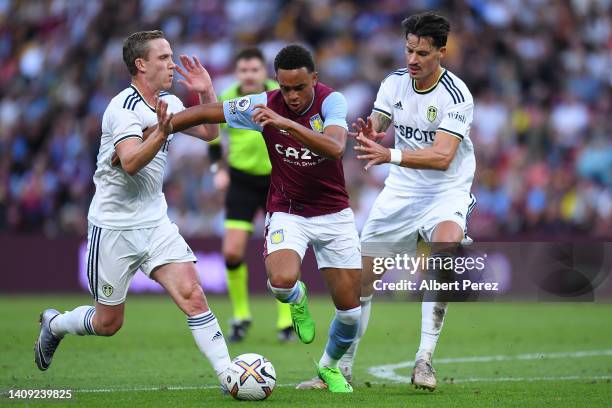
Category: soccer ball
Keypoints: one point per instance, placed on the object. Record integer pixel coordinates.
(250, 377)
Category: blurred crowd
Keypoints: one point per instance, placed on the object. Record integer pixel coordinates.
(539, 71)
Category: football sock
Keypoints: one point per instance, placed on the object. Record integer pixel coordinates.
(433, 310)
(78, 321)
(432, 320)
(209, 338)
(342, 332)
(238, 289)
(288, 295)
(284, 316)
(348, 358)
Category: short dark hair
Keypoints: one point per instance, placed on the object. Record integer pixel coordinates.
(137, 46)
(249, 53)
(294, 57)
(428, 25)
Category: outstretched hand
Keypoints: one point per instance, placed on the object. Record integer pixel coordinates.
(164, 119)
(366, 129)
(196, 77)
(374, 153)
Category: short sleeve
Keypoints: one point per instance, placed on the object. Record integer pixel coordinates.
(457, 119)
(383, 104)
(175, 104)
(334, 110)
(238, 111)
(124, 124)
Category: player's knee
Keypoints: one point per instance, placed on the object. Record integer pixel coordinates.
(232, 261)
(108, 325)
(447, 232)
(282, 280)
(233, 254)
(367, 284)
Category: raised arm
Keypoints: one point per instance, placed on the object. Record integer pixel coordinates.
(196, 79)
(197, 115)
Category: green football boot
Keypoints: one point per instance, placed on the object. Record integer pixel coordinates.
(302, 320)
(334, 379)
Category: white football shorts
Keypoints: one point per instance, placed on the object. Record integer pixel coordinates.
(114, 256)
(395, 222)
(333, 237)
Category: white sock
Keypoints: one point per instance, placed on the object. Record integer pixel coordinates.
(327, 361)
(292, 295)
(209, 338)
(432, 320)
(78, 321)
(348, 359)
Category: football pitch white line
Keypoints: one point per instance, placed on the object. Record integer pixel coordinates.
(455, 381)
(387, 372)
(163, 388)
(546, 378)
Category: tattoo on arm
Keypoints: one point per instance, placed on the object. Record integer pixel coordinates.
(380, 122)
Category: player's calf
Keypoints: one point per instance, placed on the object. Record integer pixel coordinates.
(238, 290)
(187, 293)
(433, 312)
(108, 328)
(181, 282)
(342, 333)
(188, 296)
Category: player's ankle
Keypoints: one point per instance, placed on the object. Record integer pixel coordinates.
(424, 354)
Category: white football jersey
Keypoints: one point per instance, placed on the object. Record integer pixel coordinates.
(417, 115)
(121, 201)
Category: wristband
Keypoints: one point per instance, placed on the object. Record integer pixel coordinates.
(396, 156)
(214, 168)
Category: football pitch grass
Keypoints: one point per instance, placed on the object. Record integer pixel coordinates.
(490, 354)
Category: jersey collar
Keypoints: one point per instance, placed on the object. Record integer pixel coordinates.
(142, 97)
(431, 88)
